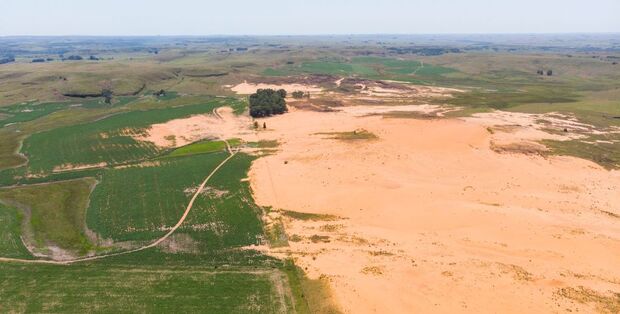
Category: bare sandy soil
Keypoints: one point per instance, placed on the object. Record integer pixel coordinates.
(246, 88)
(434, 220)
(223, 124)
(363, 90)
(360, 111)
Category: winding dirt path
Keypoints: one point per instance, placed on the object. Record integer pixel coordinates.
(148, 246)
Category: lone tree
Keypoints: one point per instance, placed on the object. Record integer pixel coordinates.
(549, 72)
(107, 95)
(267, 102)
(160, 93)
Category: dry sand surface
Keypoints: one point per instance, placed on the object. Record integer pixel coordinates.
(434, 220)
(223, 124)
(246, 88)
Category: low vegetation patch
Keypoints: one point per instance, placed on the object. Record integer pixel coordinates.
(203, 147)
(309, 216)
(111, 289)
(56, 213)
(597, 148)
(360, 134)
(310, 295)
(527, 148)
(11, 245)
(605, 303)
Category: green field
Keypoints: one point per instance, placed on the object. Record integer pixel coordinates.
(226, 215)
(134, 203)
(10, 232)
(28, 112)
(202, 147)
(96, 288)
(138, 203)
(56, 213)
(108, 140)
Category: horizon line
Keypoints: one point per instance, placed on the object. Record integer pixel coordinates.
(326, 34)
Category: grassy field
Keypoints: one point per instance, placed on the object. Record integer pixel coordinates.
(366, 67)
(11, 136)
(11, 244)
(107, 141)
(96, 288)
(203, 147)
(28, 111)
(56, 213)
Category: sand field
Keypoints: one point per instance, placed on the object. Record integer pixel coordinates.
(434, 220)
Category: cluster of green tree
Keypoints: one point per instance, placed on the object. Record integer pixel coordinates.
(160, 93)
(542, 72)
(267, 102)
(300, 94)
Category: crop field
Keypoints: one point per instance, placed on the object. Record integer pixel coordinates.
(105, 141)
(10, 233)
(138, 203)
(104, 289)
(202, 148)
(225, 214)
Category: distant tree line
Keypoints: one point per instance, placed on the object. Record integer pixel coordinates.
(73, 58)
(7, 59)
(423, 51)
(38, 60)
(267, 102)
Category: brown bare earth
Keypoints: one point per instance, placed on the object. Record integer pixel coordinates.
(430, 218)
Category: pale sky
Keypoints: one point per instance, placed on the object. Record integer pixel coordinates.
(296, 17)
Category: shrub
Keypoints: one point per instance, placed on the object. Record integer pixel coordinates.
(298, 94)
